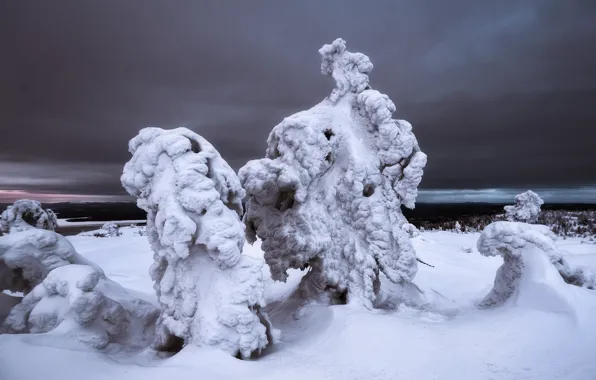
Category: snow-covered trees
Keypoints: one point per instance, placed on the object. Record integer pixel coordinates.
(328, 193)
(526, 208)
(25, 214)
(110, 229)
(524, 248)
(210, 294)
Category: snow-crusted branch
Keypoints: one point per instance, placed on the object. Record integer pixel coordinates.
(515, 242)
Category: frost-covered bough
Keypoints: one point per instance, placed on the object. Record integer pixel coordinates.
(526, 208)
(25, 214)
(328, 193)
(523, 248)
(210, 294)
(64, 291)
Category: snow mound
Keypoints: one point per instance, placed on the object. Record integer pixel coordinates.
(533, 268)
(210, 294)
(328, 193)
(28, 256)
(79, 301)
(111, 229)
(25, 214)
(526, 208)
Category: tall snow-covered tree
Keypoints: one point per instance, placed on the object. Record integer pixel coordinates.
(210, 294)
(327, 195)
(25, 214)
(526, 208)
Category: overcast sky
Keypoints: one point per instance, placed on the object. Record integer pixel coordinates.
(501, 94)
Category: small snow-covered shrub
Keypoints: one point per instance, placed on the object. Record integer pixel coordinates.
(210, 294)
(516, 242)
(328, 193)
(79, 301)
(27, 257)
(111, 229)
(26, 214)
(526, 208)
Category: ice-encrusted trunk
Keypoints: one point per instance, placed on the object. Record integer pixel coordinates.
(327, 196)
(210, 294)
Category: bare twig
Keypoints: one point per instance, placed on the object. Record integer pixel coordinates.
(420, 261)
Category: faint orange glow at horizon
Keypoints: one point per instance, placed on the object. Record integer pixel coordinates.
(9, 196)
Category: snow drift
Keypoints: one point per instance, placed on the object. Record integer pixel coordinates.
(210, 294)
(328, 193)
(530, 257)
(25, 214)
(526, 208)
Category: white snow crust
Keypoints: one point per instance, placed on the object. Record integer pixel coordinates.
(328, 193)
(210, 294)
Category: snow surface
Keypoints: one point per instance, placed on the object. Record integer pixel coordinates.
(449, 339)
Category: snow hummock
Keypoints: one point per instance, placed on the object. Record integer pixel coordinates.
(526, 208)
(210, 293)
(326, 198)
(531, 259)
(25, 214)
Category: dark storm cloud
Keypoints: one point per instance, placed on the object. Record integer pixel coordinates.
(501, 94)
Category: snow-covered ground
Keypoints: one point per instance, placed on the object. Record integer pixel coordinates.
(452, 339)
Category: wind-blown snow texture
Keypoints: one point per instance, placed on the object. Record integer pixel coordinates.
(328, 193)
(25, 214)
(526, 208)
(517, 244)
(209, 292)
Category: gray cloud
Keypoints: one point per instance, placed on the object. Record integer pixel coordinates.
(501, 94)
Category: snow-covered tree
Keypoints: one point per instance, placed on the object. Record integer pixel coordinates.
(526, 208)
(328, 193)
(210, 294)
(79, 301)
(111, 229)
(517, 243)
(28, 256)
(64, 291)
(26, 214)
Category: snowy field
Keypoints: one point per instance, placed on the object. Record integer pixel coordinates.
(542, 335)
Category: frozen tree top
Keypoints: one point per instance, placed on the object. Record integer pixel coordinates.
(526, 208)
(180, 176)
(334, 176)
(25, 214)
